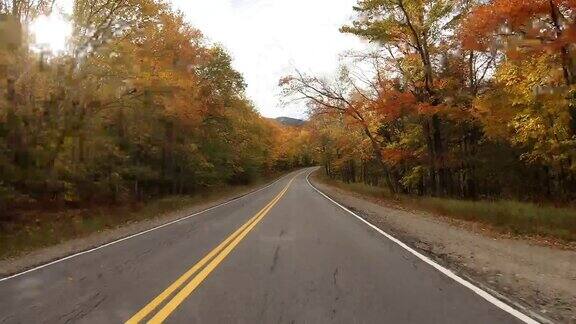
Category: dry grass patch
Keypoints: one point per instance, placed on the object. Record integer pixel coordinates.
(518, 218)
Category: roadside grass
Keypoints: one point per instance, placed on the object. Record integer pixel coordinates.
(518, 218)
(36, 229)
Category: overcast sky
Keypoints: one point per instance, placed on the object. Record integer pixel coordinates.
(268, 39)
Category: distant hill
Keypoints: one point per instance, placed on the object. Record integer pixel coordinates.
(288, 121)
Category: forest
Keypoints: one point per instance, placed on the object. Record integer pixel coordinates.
(141, 106)
(455, 98)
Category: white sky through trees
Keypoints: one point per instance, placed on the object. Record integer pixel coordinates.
(267, 39)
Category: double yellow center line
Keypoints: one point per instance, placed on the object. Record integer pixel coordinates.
(201, 270)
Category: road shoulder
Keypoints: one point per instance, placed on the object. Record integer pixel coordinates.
(38, 257)
(541, 278)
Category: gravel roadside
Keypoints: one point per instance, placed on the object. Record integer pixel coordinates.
(539, 278)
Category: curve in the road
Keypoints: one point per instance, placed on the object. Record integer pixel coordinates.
(325, 267)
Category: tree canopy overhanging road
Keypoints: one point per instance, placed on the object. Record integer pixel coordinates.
(282, 254)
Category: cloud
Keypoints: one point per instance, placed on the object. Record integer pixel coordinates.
(269, 38)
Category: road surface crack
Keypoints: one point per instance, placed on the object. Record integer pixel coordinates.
(275, 259)
(335, 276)
(84, 309)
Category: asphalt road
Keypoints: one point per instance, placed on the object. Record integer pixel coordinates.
(289, 255)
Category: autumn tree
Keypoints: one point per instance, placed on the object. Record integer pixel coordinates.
(141, 106)
(532, 101)
(343, 96)
(455, 94)
(412, 32)
(25, 10)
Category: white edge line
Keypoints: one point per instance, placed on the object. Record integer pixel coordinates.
(482, 293)
(142, 232)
